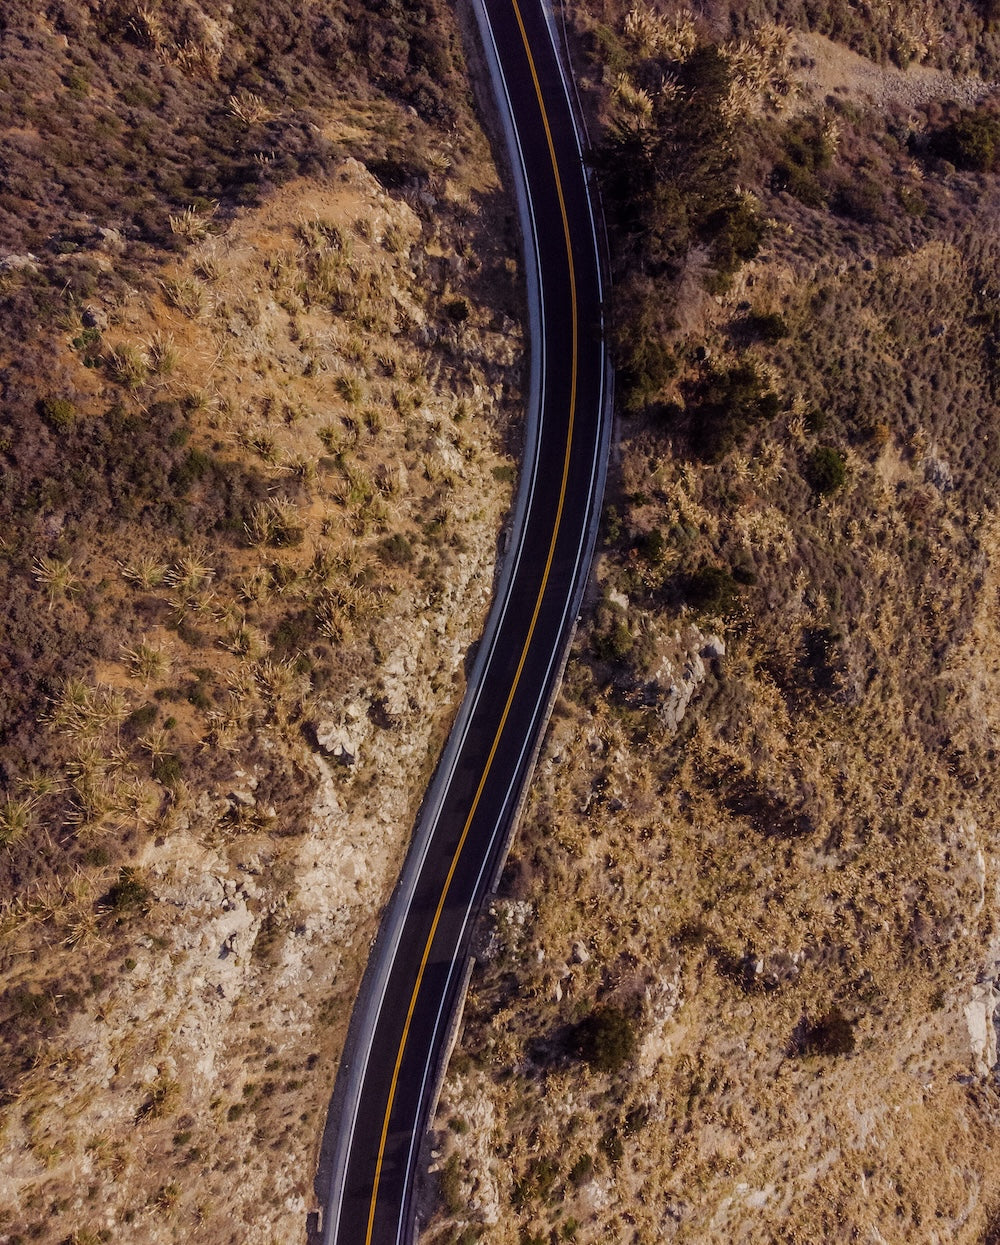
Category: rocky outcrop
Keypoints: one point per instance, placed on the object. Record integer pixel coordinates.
(680, 672)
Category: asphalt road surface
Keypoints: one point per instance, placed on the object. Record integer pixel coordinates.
(392, 1064)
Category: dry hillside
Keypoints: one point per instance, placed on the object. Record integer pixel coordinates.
(258, 440)
(740, 980)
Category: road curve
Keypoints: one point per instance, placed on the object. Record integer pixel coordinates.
(392, 1062)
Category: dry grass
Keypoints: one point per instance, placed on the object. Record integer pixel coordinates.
(794, 897)
(180, 818)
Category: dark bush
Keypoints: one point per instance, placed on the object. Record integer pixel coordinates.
(139, 719)
(725, 405)
(128, 894)
(711, 589)
(768, 327)
(606, 1039)
(972, 142)
(396, 550)
(826, 470)
(832, 1034)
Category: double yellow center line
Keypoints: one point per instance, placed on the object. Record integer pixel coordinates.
(524, 652)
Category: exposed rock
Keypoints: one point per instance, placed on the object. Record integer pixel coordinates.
(94, 318)
(980, 1017)
(19, 263)
(938, 473)
(679, 673)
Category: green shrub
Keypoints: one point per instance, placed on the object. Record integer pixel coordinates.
(189, 470)
(396, 550)
(826, 470)
(711, 589)
(972, 142)
(606, 1039)
(59, 413)
(614, 641)
(128, 894)
(167, 769)
(139, 719)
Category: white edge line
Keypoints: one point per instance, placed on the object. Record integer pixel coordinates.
(356, 1067)
(405, 1227)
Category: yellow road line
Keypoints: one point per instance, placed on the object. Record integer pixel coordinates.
(524, 652)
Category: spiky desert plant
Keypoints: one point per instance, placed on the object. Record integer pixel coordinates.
(157, 743)
(244, 640)
(148, 28)
(128, 366)
(54, 574)
(40, 784)
(249, 108)
(261, 441)
(255, 588)
(146, 661)
(16, 816)
(192, 223)
(161, 354)
(186, 294)
(189, 574)
(279, 681)
(144, 571)
(274, 522)
(82, 711)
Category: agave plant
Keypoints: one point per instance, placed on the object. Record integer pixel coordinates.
(54, 574)
(16, 816)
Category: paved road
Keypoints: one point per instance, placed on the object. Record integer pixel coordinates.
(392, 1063)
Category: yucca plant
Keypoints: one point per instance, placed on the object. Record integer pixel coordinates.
(144, 571)
(186, 294)
(128, 366)
(54, 574)
(249, 108)
(274, 522)
(16, 816)
(189, 574)
(161, 354)
(146, 661)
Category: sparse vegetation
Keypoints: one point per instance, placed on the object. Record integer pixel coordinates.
(205, 441)
(785, 873)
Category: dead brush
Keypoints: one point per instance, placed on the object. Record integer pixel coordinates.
(656, 35)
(56, 575)
(192, 224)
(250, 108)
(187, 294)
(147, 662)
